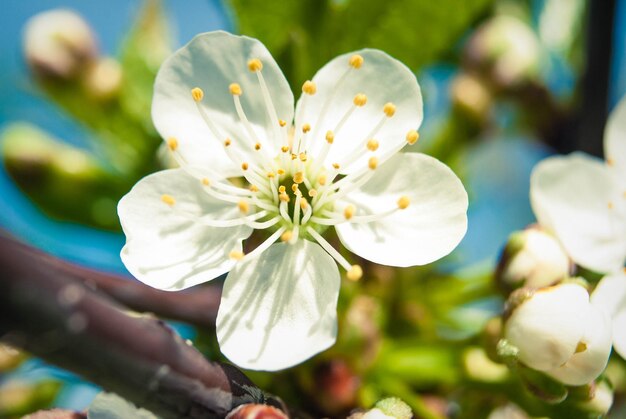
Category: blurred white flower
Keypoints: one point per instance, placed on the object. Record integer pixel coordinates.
(532, 258)
(226, 110)
(557, 330)
(582, 200)
(58, 43)
(610, 295)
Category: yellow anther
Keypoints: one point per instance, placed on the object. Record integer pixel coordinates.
(270, 174)
(297, 192)
(284, 149)
(168, 199)
(287, 235)
(581, 347)
(227, 142)
(336, 166)
(313, 193)
(197, 94)
(356, 61)
(355, 273)
(610, 161)
(294, 156)
(255, 65)
(280, 172)
(244, 166)
(306, 128)
(321, 180)
(373, 163)
(206, 182)
(282, 122)
(389, 109)
(302, 156)
(330, 137)
(360, 99)
(254, 188)
(235, 89)
(294, 187)
(309, 87)
(243, 206)
(281, 189)
(412, 137)
(236, 255)
(172, 143)
(284, 197)
(403, 202)
(372, 145)
(610, 205)
(304, 203)
(349, 211)
(298, 177)
(257, 146)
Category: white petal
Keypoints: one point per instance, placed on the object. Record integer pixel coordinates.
(610, 295)
(573, 196)
(279, 308)
(382, 79)
(585, 366)
(615, 142)
(430, 228)
(546, 328)
(167, 250)
(212, 61)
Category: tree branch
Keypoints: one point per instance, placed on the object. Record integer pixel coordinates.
(50, 313)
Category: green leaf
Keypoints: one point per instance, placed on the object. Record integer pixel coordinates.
(304, 35)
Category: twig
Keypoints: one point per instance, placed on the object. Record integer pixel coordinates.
(47, 312)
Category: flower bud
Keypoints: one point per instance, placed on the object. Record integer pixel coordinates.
(389, 408)
(256, 411)
(508, 411)
(58, 43)
(103, 79)
(557, 331)
(600, 398)
(532, 258)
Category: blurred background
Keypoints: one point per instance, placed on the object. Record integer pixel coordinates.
(505, 83)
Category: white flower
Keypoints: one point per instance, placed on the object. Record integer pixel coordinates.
(610, 295)
(226, 110)
(583, 200)
(556, 330)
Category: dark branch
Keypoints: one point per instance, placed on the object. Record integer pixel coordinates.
(46, 311)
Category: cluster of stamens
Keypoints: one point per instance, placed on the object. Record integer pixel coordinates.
(289, 191)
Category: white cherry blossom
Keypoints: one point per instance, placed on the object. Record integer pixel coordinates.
(226, 113)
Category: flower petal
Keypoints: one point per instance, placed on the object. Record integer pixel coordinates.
(574, 196)
(166, 247)
(430, 228)
(610, 295)
(212, 61)
(615, 142)
(587, 364)
(382, 79)
(279, 308)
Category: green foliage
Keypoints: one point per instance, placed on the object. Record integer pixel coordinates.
(304, 35)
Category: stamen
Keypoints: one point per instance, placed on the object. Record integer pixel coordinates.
(255, 65)
(412, 137)
(312, 193)
(235, 89)
(309, 87)
(243, 206)
(284, 197)
(227, 142)
(298, 177)
(281, 189)
(282, 208)
(403, 202)
(197, 94)
(284, 149)
(330, 137)
(172, 143)
(360, 100)
(294, 188)
(306, 128)
(168, 199)
(302, 156)
(321, 180)
(354, 273)
(244, 166)
(348, 211)
(236, 255)
(372, 145)
(308, 212)
(356, 61)
(389, 109)
(329, 249)
(280, 172)
(372, 163)
(206, 182)
(286, 236)
(282, 122)
(254, 188)
(266, 244)
(336, 166)
(257, 146)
